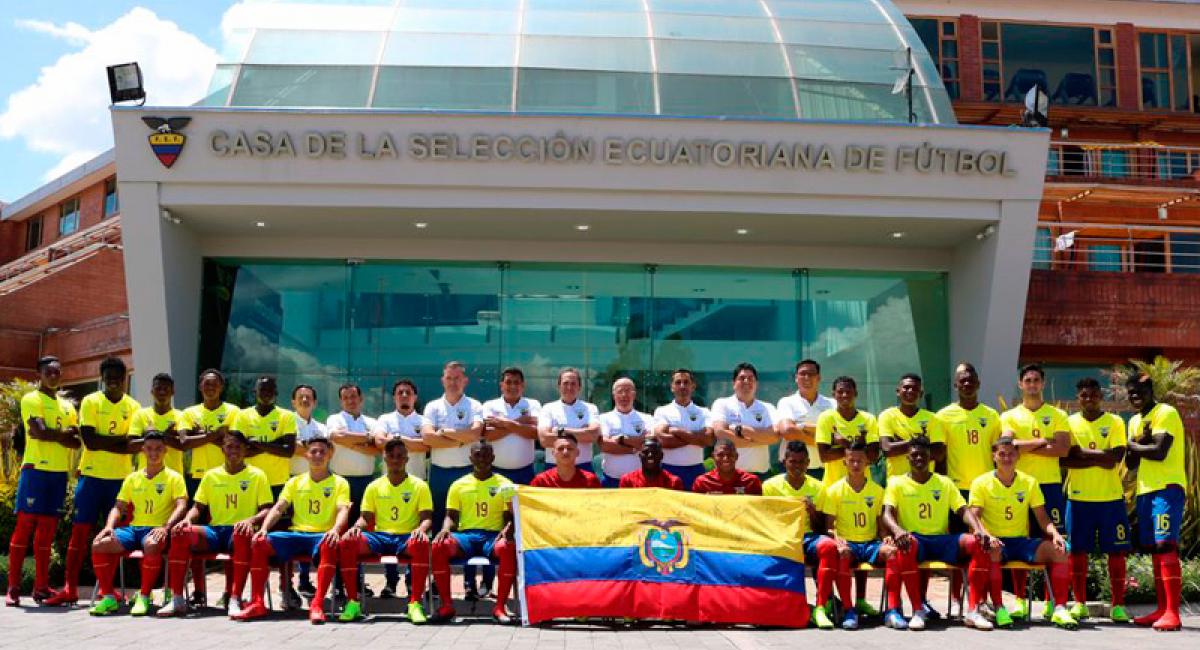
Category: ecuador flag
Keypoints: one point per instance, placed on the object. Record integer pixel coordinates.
(661, 554)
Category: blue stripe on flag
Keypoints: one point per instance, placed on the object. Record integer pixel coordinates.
(623, 563)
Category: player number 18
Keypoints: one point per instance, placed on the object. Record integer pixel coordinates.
(973, 436)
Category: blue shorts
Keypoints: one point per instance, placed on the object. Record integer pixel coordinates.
(1020, 549)
(219, 538)
(686, 473)
(1056, 509)
(294, 544)
(40, 492)
(1160, 515)
(95, 498)
(1089, 520)
(810, 545)
(519, 475)
(476, 543)
(386, 543)
(865, 551)
(131, 537)
(938, 548)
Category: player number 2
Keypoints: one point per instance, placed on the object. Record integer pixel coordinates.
(481, 509)
(860, 519)
(314, 507)
(112, 427)
(973, 436)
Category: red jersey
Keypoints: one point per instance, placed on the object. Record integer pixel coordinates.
(638, 480)
(743, 483)
(551, 479)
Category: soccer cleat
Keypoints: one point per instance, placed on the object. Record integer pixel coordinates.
(177, 607)
(1118, 614)
(976, 620)
(199, 600)
(986, 610)
(1146, 620)
(931, 614)
(444, 614)
(864, 608)
(416, 614)
(252, 611)
(141, 606)
(1169, 622)
(352, 612)
(917, 622)
(107, 605)
(388, 591)
(895, 620)
(1047, 607)
(291, 600)
(1079, 611)
(40, 596)
(501, 617)
(316, 614)
(1003, 618)
(234, 607)
(850, 622)
(62, 597)
(223, 601)
(820, 618)
(1062, 618)
(1020, 610)
(12, 598)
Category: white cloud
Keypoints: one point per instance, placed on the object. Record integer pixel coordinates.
(65, 112)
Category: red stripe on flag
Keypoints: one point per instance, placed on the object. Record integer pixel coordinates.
(666, 601)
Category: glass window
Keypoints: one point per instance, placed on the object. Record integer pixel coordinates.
(1060, 60)
(111, 205)
(68, 217)
(715, 28)
(298, 85)
(838, 33)
(583, 91)
(1149, 256)
(1163, 59)
(33, 233)
(1185, 253)
(850, 101)
(706, 7)
(324, 47)
(717, 58)
(450, 50)
(218, 86)
(571, 53)
(1061, 380)
(594, 22)
(827, 10)
(1114, 163)
(1104, 257)
(927, 29)
(436, 18)
(1043, 247)
(704, 95)
(444, 88)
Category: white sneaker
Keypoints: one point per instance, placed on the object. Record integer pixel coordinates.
(235, 606)
(917, 622)
(976, 620)
(177, 607)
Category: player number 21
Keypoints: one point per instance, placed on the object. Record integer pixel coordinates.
(924, 511)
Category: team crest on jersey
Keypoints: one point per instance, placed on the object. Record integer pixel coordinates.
(1103, 432)
(663, 546)
(692, 416)
(274, 426)
(1046, 420)
(1020, 497)
(459, 413)
(159, 487)
(937, 495)
(220, 418)
(924, 427)
(493, 491)
(579, 413)
(637, 428)
(327, 492)
(983, 422)
(870, 501)
(245, 485)
(167, 142)
(862, 430)
(406, 496)
(524, 412)
(758, 417)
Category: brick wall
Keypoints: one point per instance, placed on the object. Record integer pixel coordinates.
(970, 66)
(1129, 85)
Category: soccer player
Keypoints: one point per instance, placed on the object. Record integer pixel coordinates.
(1096, 498)
(851, 507)
(1156, 448)
(396, 519)
(163, 417)
(478, 522)
(565, 474)
(107, 458)
(726, 478)
(570, 414)
(452, 423)
(1041, 433)
(304, 402)
(838, 427)
(746, 421)
(795, 483)
(898, 425)
(799, 411)
(234, 498)
(320, 506)
(1003, 500)
(510, 424)
(51, 431)
(916, 513)
(405, 423)
(204, 426)
(156, 498)
(622, 431)
(652, 474)
(971, 428)
(270, 433)
(683, 428)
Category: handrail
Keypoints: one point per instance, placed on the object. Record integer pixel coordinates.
(1101, 247)
(1123, 161)
(107, 231)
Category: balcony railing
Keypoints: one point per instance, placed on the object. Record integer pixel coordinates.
(32, 265)
(1116, 248)
(1124, 163)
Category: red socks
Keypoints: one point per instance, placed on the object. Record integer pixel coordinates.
(978, 573)
(241, 565)
(81, 538)
(1060, 582)
(1020, 580)
(177, 560)
(151, 566)
(845, 571)
(902, 569)
(1079, 573)
(350, 552)
(418, 557)
(827, 568)
(1116, 577)
(442, 552)
(43, 539)
(326, 572)
(1172, 579)
(260, 570)
(506, 552)
(105, 565)
(18, 545)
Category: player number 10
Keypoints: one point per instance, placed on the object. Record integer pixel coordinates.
(860, 519)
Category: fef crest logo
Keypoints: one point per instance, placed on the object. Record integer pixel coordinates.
(167, 142)
(1020, 497)
(493, 491)
(983, 423)
(870, 502)
(663, 547)
(1046, 420)
(245, 485)
(1103, 432)
(406, 496)
(327, 492)
(159, 487)
(937, 495)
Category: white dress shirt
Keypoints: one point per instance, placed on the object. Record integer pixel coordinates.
(512, 451)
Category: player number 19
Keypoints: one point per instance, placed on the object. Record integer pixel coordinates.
(481, 509)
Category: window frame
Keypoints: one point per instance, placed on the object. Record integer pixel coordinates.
(38, 223)
(64, 214)
(110, 189)
(1169, 35)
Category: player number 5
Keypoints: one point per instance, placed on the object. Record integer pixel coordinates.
(1008, 513)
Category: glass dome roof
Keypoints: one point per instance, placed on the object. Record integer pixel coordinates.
(774, 59)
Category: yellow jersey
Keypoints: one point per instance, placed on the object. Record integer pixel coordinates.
(315, 504)
(233, 497)
(855, 514)
(152, 499)
(969, 438)
(276, 424)
(1029, 425)
(1006, 510)
(108, 419)
(1096, 483)
(397, 508)
(147, 419)
(863, 425)
(778, 486)
(480, 504)
(894, 424)
(57, 413)
(924, 508)
(1154, 475)
(199, 418)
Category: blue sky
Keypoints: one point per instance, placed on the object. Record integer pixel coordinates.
(53, 47)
